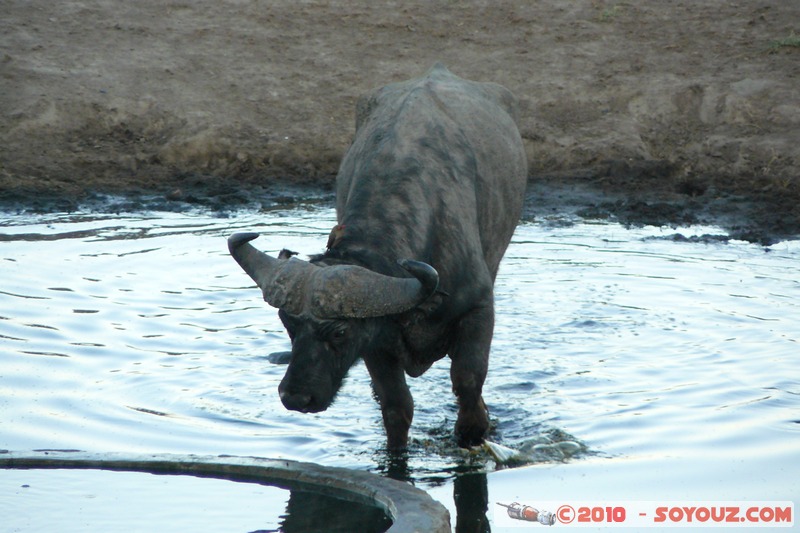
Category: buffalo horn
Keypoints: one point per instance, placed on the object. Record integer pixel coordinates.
(282, 281)
(349, 291)
(340, 291)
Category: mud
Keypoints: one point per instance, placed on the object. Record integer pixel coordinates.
(654, 112)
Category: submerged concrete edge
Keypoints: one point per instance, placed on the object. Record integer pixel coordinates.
(411, 509)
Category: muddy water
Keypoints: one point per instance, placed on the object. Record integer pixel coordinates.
(138, 333)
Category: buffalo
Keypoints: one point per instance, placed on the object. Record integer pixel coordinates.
(427, 198)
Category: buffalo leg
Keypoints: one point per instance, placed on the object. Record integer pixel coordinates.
(469, 364)
(397, 405)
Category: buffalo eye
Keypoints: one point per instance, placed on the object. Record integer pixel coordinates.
(334, 333)
(339, 334)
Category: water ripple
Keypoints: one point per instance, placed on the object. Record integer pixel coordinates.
(138, 333)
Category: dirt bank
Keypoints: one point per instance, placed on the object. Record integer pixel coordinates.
(647, 111)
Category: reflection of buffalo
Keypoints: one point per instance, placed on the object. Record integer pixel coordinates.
(316, 511)
(428, 196)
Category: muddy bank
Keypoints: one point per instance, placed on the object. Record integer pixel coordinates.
(656, 113)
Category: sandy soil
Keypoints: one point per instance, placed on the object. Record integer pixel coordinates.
(650, 112)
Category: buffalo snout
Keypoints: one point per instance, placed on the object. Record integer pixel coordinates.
(299, 398)
(297, 401)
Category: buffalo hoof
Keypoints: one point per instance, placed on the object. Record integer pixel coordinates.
(470, 437)
(471, 428)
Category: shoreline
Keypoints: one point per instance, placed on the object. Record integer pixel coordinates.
(760, 219)
(655, 113)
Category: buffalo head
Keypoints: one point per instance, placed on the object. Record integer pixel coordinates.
(333, 314)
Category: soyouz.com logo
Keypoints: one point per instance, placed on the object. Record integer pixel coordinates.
(529, 514)
(647, 514)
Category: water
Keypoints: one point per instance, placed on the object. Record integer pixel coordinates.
(97, 500)
(138, 333)
(103, 501)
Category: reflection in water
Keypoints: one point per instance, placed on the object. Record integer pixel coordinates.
(470, 489)
(311, 511)
(138, 333)
(85, 499)
(471, 496)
